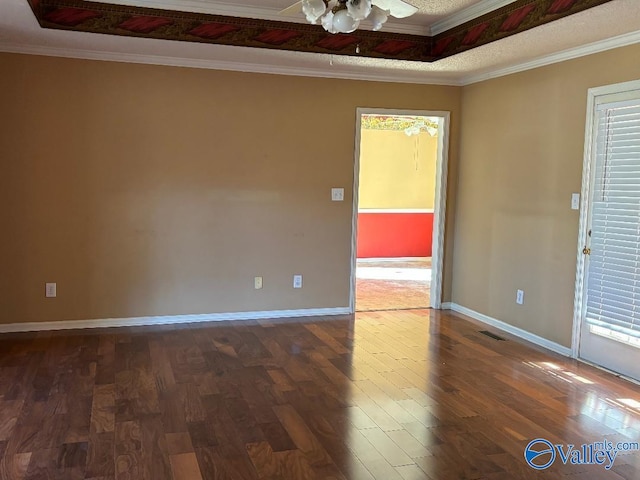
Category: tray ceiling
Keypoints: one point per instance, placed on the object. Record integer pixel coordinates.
(458, 45)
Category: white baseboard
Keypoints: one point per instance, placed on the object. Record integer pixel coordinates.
(170, 319)
(446, 306)
(518, 332)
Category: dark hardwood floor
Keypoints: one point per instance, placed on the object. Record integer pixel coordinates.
(389, 395)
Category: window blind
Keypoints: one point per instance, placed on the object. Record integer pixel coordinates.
(613, 279)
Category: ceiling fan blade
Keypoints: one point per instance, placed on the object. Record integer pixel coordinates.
(294, 9)
(397, 8)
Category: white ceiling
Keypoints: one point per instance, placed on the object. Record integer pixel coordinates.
(607, 26)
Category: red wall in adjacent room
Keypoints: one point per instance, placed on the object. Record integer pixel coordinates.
(388, 235)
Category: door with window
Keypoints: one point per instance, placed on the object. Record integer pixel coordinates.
(610, 330)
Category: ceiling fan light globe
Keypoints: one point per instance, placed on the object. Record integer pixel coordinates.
(344, 23)
(327, 22)
(359, 9)
(313, 10)
(378, 17)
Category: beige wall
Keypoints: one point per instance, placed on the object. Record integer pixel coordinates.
(148, 190)
(397, 171)
(521, 158)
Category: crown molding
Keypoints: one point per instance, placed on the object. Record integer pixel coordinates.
(466, 15)
(414, 77)
(569, 54)
(395, 77)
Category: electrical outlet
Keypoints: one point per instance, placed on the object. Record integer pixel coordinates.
(50, 290)
(257, 283)
(297, 281)
(520, 297)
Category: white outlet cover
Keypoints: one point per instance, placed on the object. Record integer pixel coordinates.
(257, 283)
(337, 194)
(50, 290)
(297, 281)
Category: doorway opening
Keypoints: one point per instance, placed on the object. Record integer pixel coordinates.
(399, 207)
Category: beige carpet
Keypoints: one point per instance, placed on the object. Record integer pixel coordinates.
(392, 285)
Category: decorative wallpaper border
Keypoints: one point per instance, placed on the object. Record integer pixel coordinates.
(124, 20)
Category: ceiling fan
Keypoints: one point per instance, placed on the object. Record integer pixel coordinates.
(344, 16)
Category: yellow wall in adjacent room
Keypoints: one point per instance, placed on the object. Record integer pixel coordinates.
(150, 190)
(521, 158)
(397, 171)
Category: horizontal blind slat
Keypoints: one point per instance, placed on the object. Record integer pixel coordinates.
(613, 277)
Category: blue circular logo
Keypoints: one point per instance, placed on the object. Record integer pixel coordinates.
(540, 454)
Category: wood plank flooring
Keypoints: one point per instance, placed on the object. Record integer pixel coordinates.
(387, 395)
(377, 290)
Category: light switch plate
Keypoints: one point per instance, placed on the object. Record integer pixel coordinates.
(50, 290)
(575, 201)
(337, 194)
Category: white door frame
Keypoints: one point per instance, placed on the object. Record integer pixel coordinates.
(439, 211)
(585, 203)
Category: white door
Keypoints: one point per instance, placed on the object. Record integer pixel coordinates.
(610, 330)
